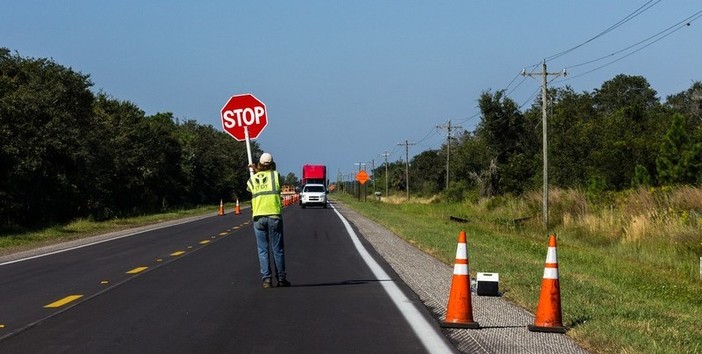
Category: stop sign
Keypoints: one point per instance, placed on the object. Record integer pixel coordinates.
(243, 112)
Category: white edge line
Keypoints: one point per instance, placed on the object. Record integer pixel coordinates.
(433, 342)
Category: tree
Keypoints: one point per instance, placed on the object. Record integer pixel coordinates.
(291, 179)
(427, 172)
(627, 115)
(214, 164)
(511, 139)
(679, 160)
(45, 114)
(569, 143)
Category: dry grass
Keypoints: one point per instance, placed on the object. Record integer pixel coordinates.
(402, 199)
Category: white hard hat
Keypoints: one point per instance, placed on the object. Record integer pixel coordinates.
(265, 159)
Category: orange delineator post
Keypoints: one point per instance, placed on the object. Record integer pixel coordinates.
(237, 208)
(459, 312)
(221, 208)
(548, 311)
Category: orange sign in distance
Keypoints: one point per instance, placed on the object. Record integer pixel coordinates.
(362, 177)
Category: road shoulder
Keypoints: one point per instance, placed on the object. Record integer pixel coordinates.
(503, 324)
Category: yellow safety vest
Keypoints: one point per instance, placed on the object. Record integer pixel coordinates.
(265, 193)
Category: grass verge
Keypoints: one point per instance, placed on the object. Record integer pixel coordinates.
(20, 241)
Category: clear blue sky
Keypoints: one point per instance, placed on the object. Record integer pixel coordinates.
(345, 81)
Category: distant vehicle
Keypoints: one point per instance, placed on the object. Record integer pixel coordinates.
(313, 194)
(314, 174)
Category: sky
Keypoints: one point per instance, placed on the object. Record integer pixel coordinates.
(345, 82)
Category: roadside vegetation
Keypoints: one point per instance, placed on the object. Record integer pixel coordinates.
(629, 268)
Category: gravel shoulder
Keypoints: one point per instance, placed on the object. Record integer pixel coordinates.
(503, 325)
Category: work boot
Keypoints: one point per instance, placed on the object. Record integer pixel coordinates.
(267, 283)
(282, 283)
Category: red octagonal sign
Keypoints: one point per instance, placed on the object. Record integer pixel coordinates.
(243, 112)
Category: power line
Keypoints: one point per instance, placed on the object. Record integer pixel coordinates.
(626, 19)
(662, 34)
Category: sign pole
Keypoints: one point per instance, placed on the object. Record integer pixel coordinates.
(248, 149)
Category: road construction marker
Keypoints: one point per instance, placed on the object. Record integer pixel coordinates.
(137, 270)
(63, 301)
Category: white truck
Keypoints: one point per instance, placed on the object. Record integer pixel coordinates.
(313, 194)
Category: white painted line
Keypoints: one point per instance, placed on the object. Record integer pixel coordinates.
(433, 341)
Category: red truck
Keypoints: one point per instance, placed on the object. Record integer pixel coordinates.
(314, 174)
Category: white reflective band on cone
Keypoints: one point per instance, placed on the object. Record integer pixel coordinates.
(461, 251)
(460, 269)
(550, 273)
(551, 256)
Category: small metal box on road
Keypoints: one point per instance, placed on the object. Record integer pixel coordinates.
(488, 284)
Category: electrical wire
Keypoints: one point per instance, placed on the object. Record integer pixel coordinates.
(653, 39)
(626, 19)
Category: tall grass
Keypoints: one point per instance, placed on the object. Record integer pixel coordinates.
(629, 261)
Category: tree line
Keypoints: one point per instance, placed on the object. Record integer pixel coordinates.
(67, 153)
(614, 138)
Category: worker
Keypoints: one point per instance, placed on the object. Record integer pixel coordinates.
(267, 209)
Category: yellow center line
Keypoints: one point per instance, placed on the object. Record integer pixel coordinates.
(177, 253)
(222, 233)
(63, 301)
(204, 242)
(137, 270)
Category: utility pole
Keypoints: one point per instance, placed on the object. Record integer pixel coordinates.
(407, 145)
(373, 174)
(544, 102)
(385, 154)
(448, 146)
(360, 166)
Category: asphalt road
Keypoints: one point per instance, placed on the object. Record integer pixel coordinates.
(195, 288)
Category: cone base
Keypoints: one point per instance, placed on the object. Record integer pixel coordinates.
(555, 329)
(469, 325)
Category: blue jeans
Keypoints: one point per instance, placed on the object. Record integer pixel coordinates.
(269, 230)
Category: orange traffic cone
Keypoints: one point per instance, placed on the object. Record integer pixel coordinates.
(548, 312)
(221, 208)
(237, 208)
(459, 312)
